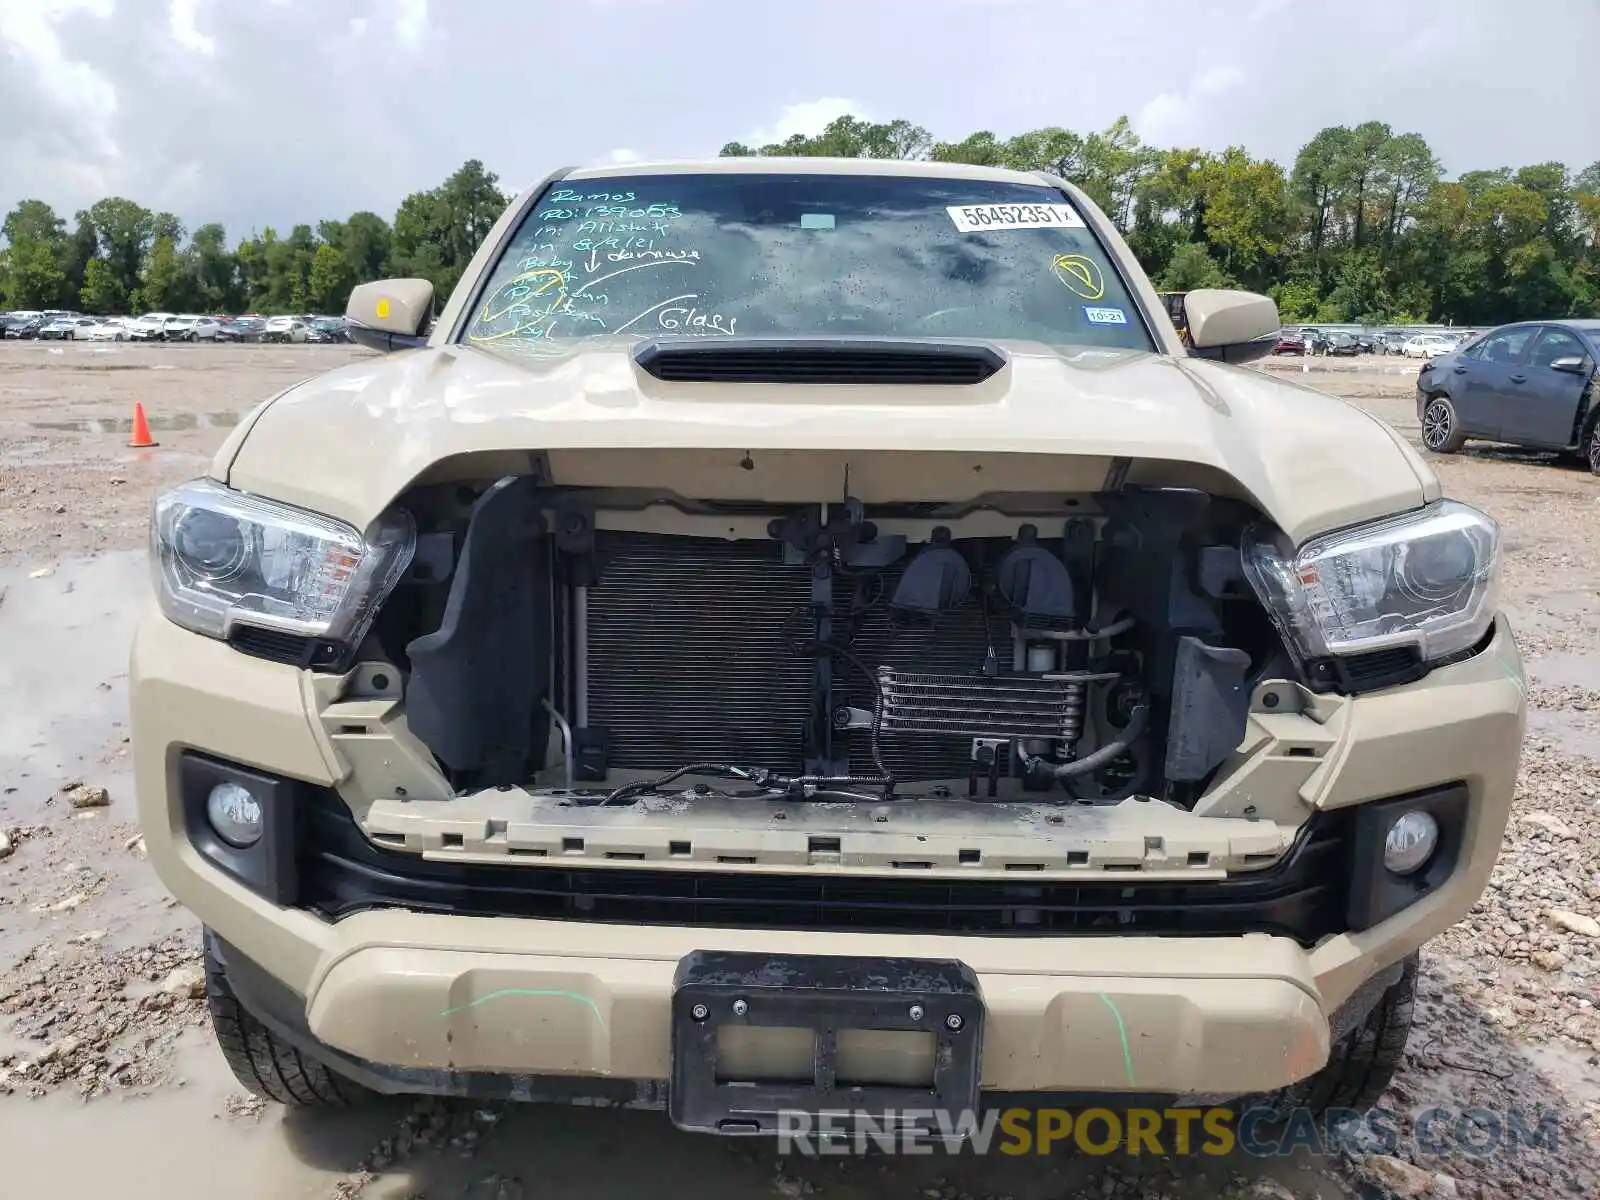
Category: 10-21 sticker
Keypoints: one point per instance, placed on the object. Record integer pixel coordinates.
(985, 218)
(1105, 316)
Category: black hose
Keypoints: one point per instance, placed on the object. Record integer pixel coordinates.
(885, 776)
(1107, 754)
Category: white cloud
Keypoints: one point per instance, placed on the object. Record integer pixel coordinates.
(358, 26)
(807, 119)
(412, 23)
(1174, 118)
(85, 102)
(615, 158)
(180, 19)
(1218, 80)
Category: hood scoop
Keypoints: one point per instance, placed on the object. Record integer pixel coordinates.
(907, 361)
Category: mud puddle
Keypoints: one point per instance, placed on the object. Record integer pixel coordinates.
(163, 423)
(144, 1147)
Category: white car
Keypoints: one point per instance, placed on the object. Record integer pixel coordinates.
(112, 329)
(191, 328)
(149, 328)
(1427, 345)
(286, 329)
(64, 328)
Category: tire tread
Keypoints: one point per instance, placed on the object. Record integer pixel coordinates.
(264, 1063)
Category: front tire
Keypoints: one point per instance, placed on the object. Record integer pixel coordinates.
(263, 1062)
(1441, 427)
(1363, 1062)
(1591, 450)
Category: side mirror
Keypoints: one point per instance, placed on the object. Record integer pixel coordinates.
(1230, 326)
(390, 314)
(1572, 364)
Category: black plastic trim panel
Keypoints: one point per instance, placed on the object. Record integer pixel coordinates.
(1375, 670)
(294, 649)
(1303, 896)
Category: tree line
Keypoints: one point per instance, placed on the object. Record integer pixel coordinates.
(120, 258)
(1363, 227)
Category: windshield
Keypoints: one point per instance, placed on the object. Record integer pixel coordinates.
(750, 255)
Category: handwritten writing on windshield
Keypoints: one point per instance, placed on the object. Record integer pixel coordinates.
(574, 245)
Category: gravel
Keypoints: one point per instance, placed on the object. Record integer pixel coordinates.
(102, 1021)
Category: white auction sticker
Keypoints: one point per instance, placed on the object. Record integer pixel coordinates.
(981, 218)
(1105, 316)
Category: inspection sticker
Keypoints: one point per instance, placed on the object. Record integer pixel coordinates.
(1105, 316)
(980, 218)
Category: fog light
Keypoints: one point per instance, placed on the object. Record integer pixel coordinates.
(1410, 843)
(235, 814)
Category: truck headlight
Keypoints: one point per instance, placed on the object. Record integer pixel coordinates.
(1424, 579)
(223, 559)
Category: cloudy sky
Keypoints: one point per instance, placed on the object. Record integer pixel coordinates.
(257, 112)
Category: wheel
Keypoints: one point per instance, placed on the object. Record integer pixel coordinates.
(1362, 1062)
(263, 1062)
(1441, 430)
(118, 338)
(1591, 450)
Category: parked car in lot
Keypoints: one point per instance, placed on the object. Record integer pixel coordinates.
(286, 329)
(151, 327)
(64, 329)
(1427, 345)
(22, 325)
(1390, 342)
(477, 678)
(1289, 342)
(242, 329)
(1342, 345)
(110, 329)
(1530, 384)
(327, 329)
(1313, 339)
(190, 328)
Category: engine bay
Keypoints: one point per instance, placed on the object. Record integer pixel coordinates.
(619, 644)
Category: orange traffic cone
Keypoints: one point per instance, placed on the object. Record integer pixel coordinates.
(141, 439)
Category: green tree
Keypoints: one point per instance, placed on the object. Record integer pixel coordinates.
(330, 279)
(1246, 214)
(127, 233)
(159, 292)
(102, 290)
(216, 270)
(366, 244)
(37, 256)
(1192, 267)
(436, 233)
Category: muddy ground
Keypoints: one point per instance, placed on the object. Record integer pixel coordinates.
(109, 1082)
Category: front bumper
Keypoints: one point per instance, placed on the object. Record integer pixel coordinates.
(525, 997)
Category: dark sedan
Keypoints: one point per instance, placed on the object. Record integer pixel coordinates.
(22, 327)
(1530, 384)
(241, 329)
(1343, 345)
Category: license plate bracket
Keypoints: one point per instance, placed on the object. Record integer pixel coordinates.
(825, 994)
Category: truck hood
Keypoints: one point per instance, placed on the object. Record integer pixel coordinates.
(348, 442)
